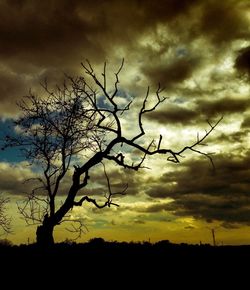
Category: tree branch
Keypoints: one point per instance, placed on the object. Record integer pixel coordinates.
(144, 110)
(111, 194)
(5, 221)
(117, 80)
(89, 70)
(173, 155)
(79, 230)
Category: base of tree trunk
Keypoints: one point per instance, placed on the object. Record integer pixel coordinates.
(44, 236)
(44, 233)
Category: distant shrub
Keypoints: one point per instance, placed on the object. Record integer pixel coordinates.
(97, 241)
(69, 242)
(163, 243)
(6, 243)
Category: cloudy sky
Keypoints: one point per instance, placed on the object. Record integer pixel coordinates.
(199, 50)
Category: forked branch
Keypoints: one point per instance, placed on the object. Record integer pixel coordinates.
(108, 196)
(77, 227)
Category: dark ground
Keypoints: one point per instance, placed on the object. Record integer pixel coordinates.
(100, 262)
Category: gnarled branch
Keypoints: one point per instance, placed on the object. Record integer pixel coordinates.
(108, 196)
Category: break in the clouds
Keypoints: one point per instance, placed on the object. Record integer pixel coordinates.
(198, 50)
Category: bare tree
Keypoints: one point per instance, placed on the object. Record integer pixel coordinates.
(82, 116)
(4, 219)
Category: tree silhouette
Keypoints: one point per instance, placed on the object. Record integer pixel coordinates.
(4, 219)
(81, 116)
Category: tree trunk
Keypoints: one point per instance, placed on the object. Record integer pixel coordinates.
(44, 233)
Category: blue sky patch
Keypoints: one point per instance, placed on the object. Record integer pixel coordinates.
(12, 155)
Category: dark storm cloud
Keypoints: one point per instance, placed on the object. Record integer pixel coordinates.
(49, 37)
(12, 85)
(223, 21)
(166, 9)
(197, 191)
(234, 138)
(242, 61)
(226, 105)
(203, 109)
(246, 123)
(160, 190)
(38, 38)
(217, 22)
(58, 32)
(230, 177)
(173, 114)
(45, 32)
(171, 73)
(221, 209)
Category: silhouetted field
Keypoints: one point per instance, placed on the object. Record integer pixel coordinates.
(131, 264)
(98, 250)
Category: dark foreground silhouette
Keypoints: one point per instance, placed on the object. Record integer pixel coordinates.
(99, 250)
(103, 263)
